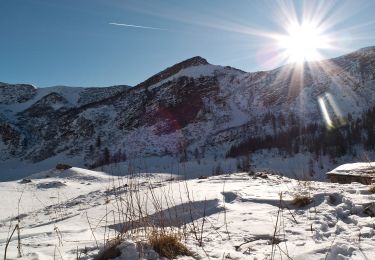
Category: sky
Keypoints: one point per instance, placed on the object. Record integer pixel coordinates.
(113, 42)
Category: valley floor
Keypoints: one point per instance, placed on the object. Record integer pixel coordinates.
(65, 214)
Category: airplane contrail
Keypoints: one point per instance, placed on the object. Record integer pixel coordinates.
(136, 26)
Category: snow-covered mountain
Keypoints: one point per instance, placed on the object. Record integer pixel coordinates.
(190, 111)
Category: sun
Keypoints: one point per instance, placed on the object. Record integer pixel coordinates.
(302, 42)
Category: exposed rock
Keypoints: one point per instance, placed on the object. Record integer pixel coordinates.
(369, 210)
(18, 93)
(24, 181)
(62, 166)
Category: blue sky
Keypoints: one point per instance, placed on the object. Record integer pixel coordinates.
(72, 42)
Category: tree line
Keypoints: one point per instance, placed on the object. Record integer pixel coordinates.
(336, 141)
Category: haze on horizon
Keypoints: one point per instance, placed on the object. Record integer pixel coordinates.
(102, 43)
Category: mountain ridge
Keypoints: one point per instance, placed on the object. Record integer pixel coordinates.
(199, 60)
(190, 110)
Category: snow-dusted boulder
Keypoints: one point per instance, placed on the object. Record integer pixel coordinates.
(363, 172)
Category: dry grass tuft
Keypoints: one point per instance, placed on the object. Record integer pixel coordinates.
(372, 188)
(109, 251)
(300, 200)
(168, 245)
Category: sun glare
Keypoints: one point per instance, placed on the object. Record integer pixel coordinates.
(302, 43)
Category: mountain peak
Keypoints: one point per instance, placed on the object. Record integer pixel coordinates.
(16, 93)
(366, 50)
(194, 61)
(369, 48)
(168, 72)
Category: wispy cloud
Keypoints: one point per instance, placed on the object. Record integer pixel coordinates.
(136, 26)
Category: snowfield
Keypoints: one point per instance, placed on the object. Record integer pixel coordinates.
(65, 214)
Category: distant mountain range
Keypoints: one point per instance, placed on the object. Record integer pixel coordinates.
(195, 110)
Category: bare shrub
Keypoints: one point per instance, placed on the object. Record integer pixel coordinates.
(109, 251)
(372, 188)
(302, 195)
(301, 200)
(168, 245)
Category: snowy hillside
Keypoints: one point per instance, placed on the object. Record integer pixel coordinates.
(195, 111)
(74, 213)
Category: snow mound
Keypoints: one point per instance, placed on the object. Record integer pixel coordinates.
(50, 184)
(355, 169)
(73, 173)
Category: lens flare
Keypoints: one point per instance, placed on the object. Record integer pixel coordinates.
(330, 111)
(336, 109)
(324, 110)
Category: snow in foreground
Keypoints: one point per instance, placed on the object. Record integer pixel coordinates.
(63, 214)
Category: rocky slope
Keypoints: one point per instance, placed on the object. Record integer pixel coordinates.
(188, 111)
